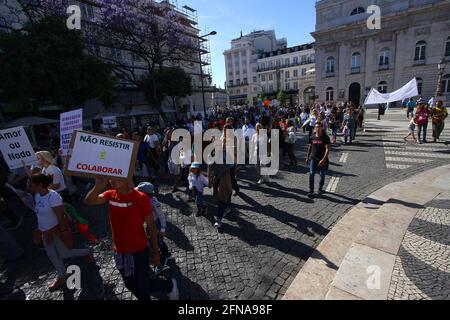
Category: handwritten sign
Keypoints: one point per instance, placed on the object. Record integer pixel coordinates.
(93, 155)
(16, 147)
(69, 122)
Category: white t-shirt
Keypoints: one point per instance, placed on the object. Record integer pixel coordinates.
(151, 140)
(57, 175)
(46, 217)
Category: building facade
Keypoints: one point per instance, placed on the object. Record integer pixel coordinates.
(291, 70)
(351, 59)
(241, 64)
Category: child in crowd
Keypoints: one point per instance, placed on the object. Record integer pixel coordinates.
(197, 183)
(412, 128)
(160, 222)
(346, 132)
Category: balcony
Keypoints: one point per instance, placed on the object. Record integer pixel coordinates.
(383, 67)
(420, 62)
(356, 70)
(329, 74)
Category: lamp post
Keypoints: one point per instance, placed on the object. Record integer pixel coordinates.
(200, 40)
(441, 68)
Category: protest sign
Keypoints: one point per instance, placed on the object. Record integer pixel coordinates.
(109, 122)
(92, 155)
(16, 148)
(69, 122)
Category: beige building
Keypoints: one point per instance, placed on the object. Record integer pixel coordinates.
(351, 59)
(291, 70)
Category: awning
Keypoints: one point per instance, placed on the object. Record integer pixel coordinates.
(29, 122)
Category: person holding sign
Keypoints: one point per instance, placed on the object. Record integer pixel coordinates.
(128, 210)
(53, 229)
(49, 168)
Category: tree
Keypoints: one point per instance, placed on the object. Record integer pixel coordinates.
(175, 83)
(47, 64)
(152, 33)
(282, 97)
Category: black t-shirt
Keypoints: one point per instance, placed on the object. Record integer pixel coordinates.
(319, 146)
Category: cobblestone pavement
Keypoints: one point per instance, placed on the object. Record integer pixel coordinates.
(271, 232)
(422, 268)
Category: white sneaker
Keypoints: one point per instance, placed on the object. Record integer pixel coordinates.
(261, 181)
(174, 294)
(218, 224)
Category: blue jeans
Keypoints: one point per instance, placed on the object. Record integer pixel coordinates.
(423, 129)
(140, 283)
(313, 169)
(198, 196)
(9, 248)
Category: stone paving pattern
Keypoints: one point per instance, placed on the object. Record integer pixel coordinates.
(271, 232)
(422, 268)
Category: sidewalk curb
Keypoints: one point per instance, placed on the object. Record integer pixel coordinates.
(370, 234)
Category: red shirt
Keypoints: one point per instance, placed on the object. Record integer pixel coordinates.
(126, 214)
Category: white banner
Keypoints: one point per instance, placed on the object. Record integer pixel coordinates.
(16, 147)
(407, 91)
(69, 122)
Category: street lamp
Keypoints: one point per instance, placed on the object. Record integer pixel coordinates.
(200, 40)
(441, 68)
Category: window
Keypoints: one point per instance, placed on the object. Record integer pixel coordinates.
(263, 66)
(238, 72)
(329, 95)
(230, 73)
(313, 58)
(238, 91)
(295, 85)
(271, 88)
(263, 77)
(287, 61)
(304, 59)
(358, 10)
(244, 71)
(330, 65)
(287, 74)
(270, 77)
(295, 60)
(270, 65)
(278, 63)
(384, 57)
(419, 85)
(421, 51)
(231, 83)
(245, 81)
(356, 62)
(288, 86)
(264, 88)
(238, 82)
(295, 73)
(447, 46)
(304, 72)
(255, 79)
(446, 84)
(382, 87)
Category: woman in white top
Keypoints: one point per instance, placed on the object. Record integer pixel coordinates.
(53, 230)
(49, 168)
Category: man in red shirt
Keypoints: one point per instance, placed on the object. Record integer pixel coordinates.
(128, 210)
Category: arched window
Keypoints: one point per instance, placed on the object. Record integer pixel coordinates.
(419, 85)
(447, 47)
(356, 62)
(329, 95)
(446, 84)
(358, 10)
(384, 57)
(330, 65)
(421, 51)
(382, 87)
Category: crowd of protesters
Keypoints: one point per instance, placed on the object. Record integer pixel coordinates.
(134, 204)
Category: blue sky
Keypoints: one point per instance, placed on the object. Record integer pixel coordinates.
(291, 19)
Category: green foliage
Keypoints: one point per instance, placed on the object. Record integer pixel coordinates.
(282, 97)
(48, 65)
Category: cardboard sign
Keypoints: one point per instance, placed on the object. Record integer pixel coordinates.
(69, 122)
(92, 155)
(109, 122)
(16, 147)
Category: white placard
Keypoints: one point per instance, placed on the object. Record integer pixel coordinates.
(109, 122)
(16, 147)
(98, 155)
(69, 122)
